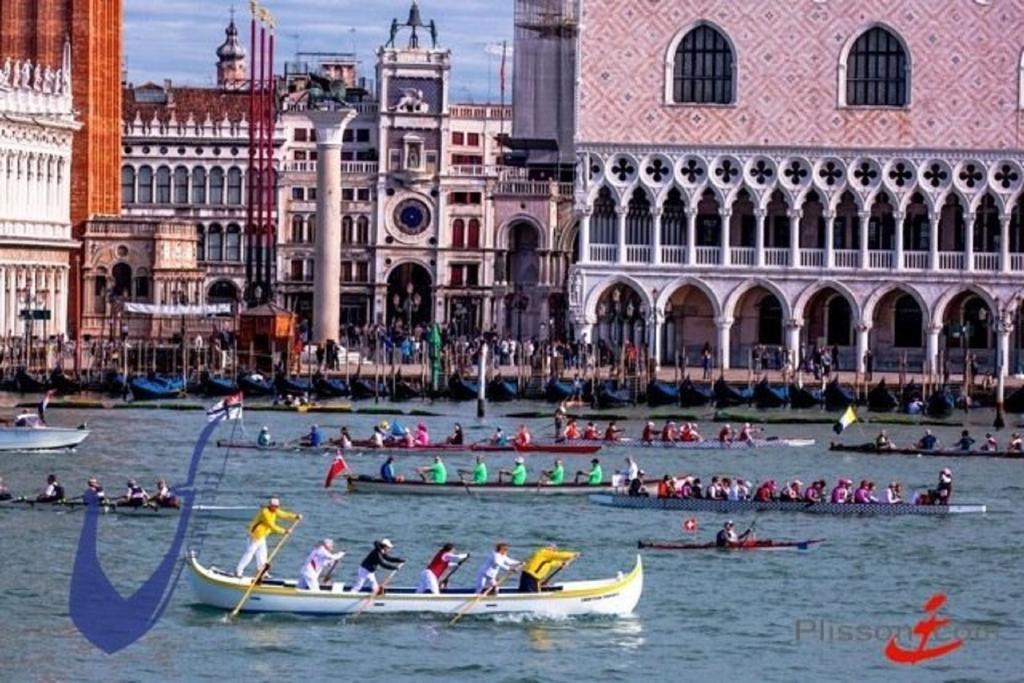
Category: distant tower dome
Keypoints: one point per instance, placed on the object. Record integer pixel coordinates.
(231, 59)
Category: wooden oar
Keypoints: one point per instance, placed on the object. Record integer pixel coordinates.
(443, 583)
(564, 566)
(470, 604)
(262, 572)
(365, 604)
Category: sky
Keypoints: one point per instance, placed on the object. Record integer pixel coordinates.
(176, 39)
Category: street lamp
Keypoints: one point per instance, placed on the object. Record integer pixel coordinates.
(407, 306)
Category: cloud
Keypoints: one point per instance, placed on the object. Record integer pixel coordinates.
(176, 39)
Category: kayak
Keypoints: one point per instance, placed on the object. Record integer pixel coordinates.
(366, 484)
(617, 596)
(874, 450)
(740, 506)
(766, 544)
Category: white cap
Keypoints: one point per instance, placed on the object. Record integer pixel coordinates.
(519, 460)
(275, 502)
(947, 471)
(327, 543)
(386, 543)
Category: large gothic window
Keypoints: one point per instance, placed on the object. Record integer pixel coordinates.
(234, 186)
(163, 185)
(198, 185)
(703, 70)
(181, 185)
(128, 185)
(877, 70)
(217, 185)
(145, 185)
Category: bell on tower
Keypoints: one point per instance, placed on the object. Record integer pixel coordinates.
(231, 59)
(413, 23)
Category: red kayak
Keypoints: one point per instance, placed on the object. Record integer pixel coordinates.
(766, 544)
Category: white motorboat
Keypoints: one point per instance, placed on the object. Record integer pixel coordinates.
(40, 438)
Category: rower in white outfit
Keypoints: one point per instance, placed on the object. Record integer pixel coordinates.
(443, 560)
(496, 562)
(323, 555)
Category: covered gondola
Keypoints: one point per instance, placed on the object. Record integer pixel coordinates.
(404, 390)
(767, 396)
(940, 404)
(293, 385)
(662, 394)
(218, 386)
(802, 397)
(692, 395)
(460, 389)
(64, 384)
(728, 396)
(558, 390)
(255, 384)
(27, 384)
(499, 390)
(330, 388)
(1015, 402)
(364, 388)
(610, 395)
(837, 397)
(156, 387)
(881, 399)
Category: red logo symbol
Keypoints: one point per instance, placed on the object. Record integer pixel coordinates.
(924, 630)
(690, 525)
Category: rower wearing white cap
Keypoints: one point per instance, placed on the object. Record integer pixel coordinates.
(727, 535)
(517, 474)
(320, 558)
(647, 438)
(263, 440)
(378, 557)
(943, 493)
(261, 526)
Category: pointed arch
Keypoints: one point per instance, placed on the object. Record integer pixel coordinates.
(598, 291)
(671, 288)
(871, 303)
(734, 297)
(880, 73)
(939, 312)
(701, 66)
(804, 298)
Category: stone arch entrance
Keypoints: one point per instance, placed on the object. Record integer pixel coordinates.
(410, 300)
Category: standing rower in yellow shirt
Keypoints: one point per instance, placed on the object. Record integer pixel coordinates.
(261, 526)
(541, 565)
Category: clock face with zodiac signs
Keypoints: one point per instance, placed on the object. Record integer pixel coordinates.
(412, 216)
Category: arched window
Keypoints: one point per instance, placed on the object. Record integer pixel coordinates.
(907, 323)
(459, 233)
(181, 185)
(298, 229)
(311, 228)
(703, 70)
(346, 230)
(163, 185)
(604, 222)
(201, 244)
(363, 230)
(217, 185)
(198, 185)
(473, 234)
(128, 185)
(145, 185)
(233, 243)
(769, 320)
(122, 273)
(234, 186)
(215, 243)
(877, 70)
(222, 292)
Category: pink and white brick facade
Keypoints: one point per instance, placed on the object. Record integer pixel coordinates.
(837, 218)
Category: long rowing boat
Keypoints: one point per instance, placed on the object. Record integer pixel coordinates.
(616, 596)
(112, 508)
(871, 448)
(365, 484)
(764, 544)
(362, 446)
(736, 506)
(716, 445)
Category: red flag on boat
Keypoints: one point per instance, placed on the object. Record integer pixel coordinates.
(337, 467)
(690, 525)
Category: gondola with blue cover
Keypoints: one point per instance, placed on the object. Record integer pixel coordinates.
(460, 389)
(156, 387)
(27, 384)
(940, 404)
(330, 388)
(729, 397)
(217, 386)
(610, 395)
(837, 397)
(362, 389)
(255, 384)
(501, 390)
(881, 399)
(692, 395)
(293, 385)
(802, 397)
(767, 396)
(662, 394)
(64, 384)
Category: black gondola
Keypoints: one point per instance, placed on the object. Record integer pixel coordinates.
(610, 395)
(837, 397)
(218, 386)
(460, 389)
(1014, 403)
(404, 391)
(558, 391)
(502, 390)
(802, 397)
(293, 385)
(881, 399)
(254, 384)
(330, 388)
(64, 384)
(730, 397)
(692, 395)
(364, 388)
(767, 396)
(27, 384)
(662, 394)
(940, 403)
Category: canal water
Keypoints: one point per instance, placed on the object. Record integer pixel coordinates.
(767, 616)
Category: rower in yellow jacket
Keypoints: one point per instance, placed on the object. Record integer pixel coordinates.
(261, 526)
(541, 566)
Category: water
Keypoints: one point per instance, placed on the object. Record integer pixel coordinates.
(702, 614)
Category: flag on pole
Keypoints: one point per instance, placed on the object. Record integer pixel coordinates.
(337, 467)
(845, 420)
(504, 66)
(230, 408)
(690, 526)
(41, 408)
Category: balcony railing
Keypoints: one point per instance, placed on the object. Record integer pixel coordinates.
(951, 260)
(847, 258)
(1016, 262)
(986, 261)
(812, 258)
(604, 253)
(638, 254)
(881, 259)
(708, 256)
(742, 256)
(677, 255)
(916, 260)
(776, 257)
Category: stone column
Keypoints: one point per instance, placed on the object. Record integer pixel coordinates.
(691, 236)
(1004, 242)
(724, 326)
(933, 239)
(794, 238)
(830, 240)
(760, 219)
(864, 217)
(4, 326)
(898, 218)
(656, 325)
(656, 237)
(793, 327)
(725, 217)
(932, 349)
(1003, 331)
(330, 127)
(620, 235)
(584, 236)
(863, 341)
(968, 241)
